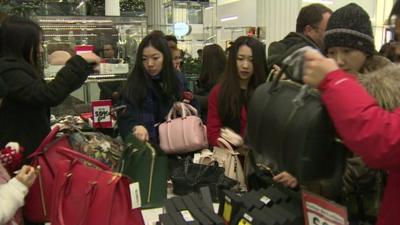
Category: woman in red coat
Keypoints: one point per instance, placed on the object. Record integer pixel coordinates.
(367, 129)
(227, 102)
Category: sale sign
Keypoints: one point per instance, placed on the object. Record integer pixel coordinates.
(102, 114)
(320, 211)
(79, 49)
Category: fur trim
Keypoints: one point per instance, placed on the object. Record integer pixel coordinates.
(375, 62)
(384, 85)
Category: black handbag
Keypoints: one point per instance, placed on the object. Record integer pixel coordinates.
(191, 177)
(298, 138)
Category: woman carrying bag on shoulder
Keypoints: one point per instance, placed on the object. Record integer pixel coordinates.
(25, 112)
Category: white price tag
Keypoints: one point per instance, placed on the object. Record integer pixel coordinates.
(314, 219)
(187, 216)
(265, 200)
(135, 195)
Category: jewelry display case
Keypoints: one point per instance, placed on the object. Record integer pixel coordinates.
(66, 32)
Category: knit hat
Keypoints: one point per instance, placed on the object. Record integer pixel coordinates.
(3, 88)
(350, 27)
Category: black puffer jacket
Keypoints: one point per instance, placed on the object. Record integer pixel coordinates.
(279, 50)
(25, 112)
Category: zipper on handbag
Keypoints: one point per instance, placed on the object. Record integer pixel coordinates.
(153, 157)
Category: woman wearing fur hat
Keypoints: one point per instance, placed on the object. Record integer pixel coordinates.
(369, 127)
(349, 41)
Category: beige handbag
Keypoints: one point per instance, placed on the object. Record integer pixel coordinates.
(229, 160)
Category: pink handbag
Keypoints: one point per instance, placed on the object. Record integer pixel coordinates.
(183, 134)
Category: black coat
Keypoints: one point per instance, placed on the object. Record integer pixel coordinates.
(25, 112)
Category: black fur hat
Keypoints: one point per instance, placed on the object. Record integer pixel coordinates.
(350, 27)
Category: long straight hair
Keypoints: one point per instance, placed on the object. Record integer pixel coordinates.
(230, 94)
(212, 65)
(139, 81)
(20, 38)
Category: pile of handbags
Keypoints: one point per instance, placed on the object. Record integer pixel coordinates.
(69, 186)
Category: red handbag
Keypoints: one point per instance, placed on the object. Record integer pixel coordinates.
(38, 201)
(85, 195)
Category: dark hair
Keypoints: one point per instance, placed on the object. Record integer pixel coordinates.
(212, 65)
(171, 38)
(139, 81)
(310, 15)
(230, 93)
(395, 10)
(20, 38)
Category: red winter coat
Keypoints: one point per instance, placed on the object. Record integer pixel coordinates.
(369, 131)
(214, 123)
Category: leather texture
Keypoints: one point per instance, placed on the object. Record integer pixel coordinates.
(299, 139)
(38, 200)
(87, 196)
(183, 130)
(148, 165)
(228, 158)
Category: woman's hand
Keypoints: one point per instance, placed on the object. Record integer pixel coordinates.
(90, 58)
(141, 133)
(316, 67)
(286, 179)
(26, 175)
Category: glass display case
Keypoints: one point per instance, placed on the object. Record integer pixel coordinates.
(65, 33)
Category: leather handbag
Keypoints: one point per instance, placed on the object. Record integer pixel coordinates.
(228, 158)
(191, 177)
(297, 138)
(148, 165)
(38, 200)
(183, 131)
(86, 195)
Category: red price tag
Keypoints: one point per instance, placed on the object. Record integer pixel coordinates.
(320, 211)
(83, 48)
(101, 114)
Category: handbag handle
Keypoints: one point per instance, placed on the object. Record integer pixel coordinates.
(73, 155)
(224, 144)
(88, 198)
(48, 139)
(184, 108)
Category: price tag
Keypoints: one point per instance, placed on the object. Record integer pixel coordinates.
(187, 216)
(246, 220)
(135, 195)
(227, 213)
(320, 211)
(79, 49)
(101, 114)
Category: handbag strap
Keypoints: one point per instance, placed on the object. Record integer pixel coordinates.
(47, 140)
(225, 144)
(88, 198)
(183, 108)
(74, 155)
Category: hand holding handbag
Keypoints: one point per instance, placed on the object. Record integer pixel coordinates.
(183, 134)
(228, 158)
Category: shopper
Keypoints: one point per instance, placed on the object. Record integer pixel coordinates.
(227, 102)
(24, 115)
(12, 194)
(110, 89)
(152, 88)
(212, 67)
(366, 128)
(310, 28)
(351, 45)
